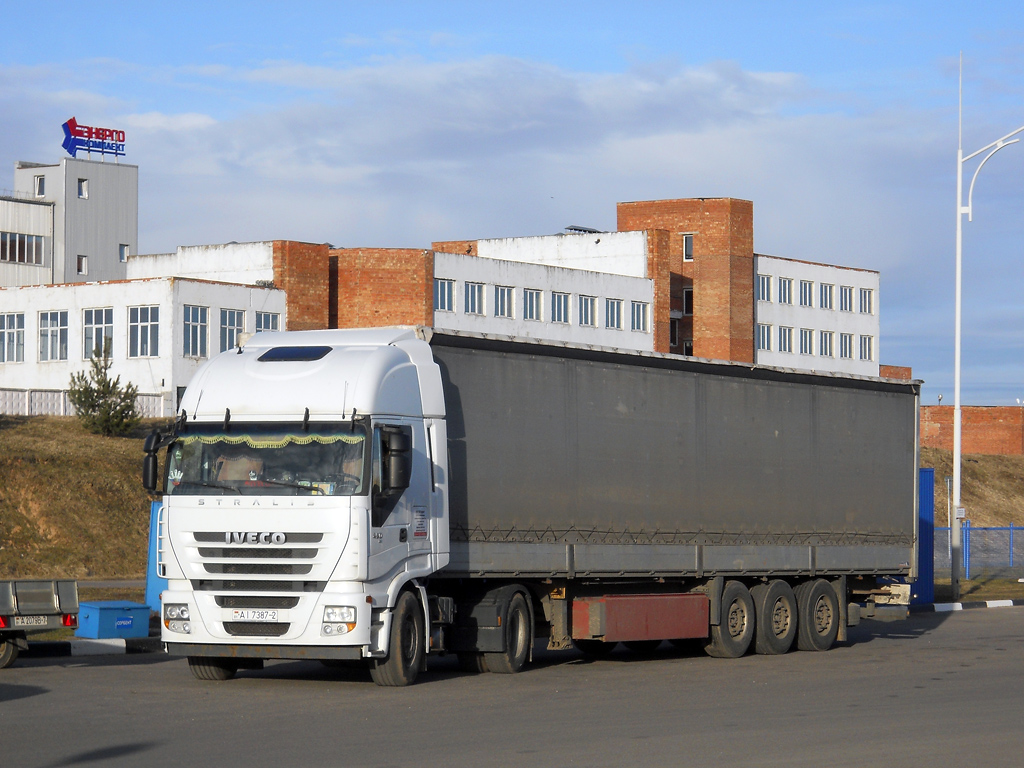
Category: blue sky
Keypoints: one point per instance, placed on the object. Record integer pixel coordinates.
(396, 124)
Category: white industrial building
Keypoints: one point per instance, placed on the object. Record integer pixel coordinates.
(816, 317)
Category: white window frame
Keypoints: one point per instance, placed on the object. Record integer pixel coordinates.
(474, 298)
(196, 327)
(444, 294)
(53, 335)
(764, 287)
(560, 307)
(83, 189)
(122, 252)
(867, 301)
(82, 265)
(785, 339)
(826, 344)
(232, 325)
(764, 337)
(267, 321)
(687, 246)
(504, 301)
(144, 331)
(846, 346)
(93, 325)
(826, 294)
(846, 298)
(867, 348)
(613, 314)
(786, 290)
(806, 293)
(640, 316)
(39, 186)
(806, 341)
(533, 304)
(587, 314)
(12, 337)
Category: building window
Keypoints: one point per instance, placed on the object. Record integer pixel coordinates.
(83, 265)
(122, 252)
(83, 189)
(588, 310)
(613, 314)
(53, 336)
(12, 338)
(641, 316)
(785, 290)
(846, 298)
(846, 346)
(559, 307)
(806, 341)
(143, 331)
(867, 301)
(197, 323)
(40, 186)
(531, 304)
(806, 293)
(825, 341)
(825, 296)
(785, 339)
(444, 295)
(98, 333)
(267, 321)
(474, 298)
(21, 249)
(764, 287)
(764, 337)
(504, 296)
(673, 332)
(687, 348)
(232, 324)
(687, 247)
(687, 302)
(867, 351)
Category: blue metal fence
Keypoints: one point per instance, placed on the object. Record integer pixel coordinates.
(993, 552)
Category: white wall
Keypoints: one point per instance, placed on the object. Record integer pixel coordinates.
(616, 253)
(229, 263)
(493, 272)
(795, 316)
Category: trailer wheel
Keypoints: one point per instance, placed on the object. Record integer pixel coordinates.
(776, 611)
(818, 625)
(518, 635)
(597, 649)
(8, 653)
(206, 668)
(472, 662)
(732, 637)
(405, 647)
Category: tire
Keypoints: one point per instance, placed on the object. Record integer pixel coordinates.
(733, 636)
(8, 653)
(405, 646)
(518, 636)
(818, 625)
(206, 668)
(596, 649)
(776, 610)
(472, 662)
(643, 647)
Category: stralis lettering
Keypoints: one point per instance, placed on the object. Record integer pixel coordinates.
(253, 537)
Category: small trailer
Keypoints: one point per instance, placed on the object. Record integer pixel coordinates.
(29, 606)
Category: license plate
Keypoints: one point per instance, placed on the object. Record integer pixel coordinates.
(253, 614)
(30, 621)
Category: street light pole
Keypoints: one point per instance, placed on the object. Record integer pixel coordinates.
(961, 209)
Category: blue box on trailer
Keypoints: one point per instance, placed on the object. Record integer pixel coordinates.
(112, 618)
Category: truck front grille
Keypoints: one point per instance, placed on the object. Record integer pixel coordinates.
(260, 569)
(256, 585)
(255, 628)
(257, 601)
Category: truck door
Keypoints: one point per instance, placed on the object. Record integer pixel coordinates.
(398, 516)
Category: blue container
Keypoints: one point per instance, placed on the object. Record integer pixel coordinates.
(112, 618)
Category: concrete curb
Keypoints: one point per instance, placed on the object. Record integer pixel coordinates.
(81, 646)
(948, 607)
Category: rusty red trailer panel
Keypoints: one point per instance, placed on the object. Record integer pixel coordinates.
(617, 618)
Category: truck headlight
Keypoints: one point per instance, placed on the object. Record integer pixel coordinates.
(338, 620)
(176, 618)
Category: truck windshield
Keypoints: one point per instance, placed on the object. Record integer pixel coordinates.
(269, 460)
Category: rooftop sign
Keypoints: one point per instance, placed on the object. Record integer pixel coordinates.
(106, 141)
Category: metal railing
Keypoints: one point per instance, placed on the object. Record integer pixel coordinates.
(993, 552)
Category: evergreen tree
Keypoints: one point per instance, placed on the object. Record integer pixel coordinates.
(102, 404)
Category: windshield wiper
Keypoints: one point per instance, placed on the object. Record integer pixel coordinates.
(210, 485)
(301, 487)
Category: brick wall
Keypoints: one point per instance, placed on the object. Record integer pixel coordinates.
(658, 259)
(722, 269)
(302, 271)
(895, 372)
(985, 429)
(455, 246)
(382, 286)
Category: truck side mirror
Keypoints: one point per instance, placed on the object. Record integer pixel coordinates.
(152, 442)
(398, 460)
(149, 472)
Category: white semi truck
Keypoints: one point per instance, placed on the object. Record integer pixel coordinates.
(384, 494)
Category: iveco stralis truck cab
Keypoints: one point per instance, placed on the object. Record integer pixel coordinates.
(304, 499)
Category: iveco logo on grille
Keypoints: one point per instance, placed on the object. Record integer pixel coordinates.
(253, 537)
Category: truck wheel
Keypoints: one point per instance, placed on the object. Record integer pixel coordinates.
(732, 637)
(8, 653)
(472, 662)
(518, 635)
(776, 612)
(597, 649)
(405, 647)
(818, 625)
(205, 668)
